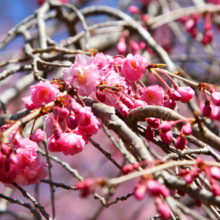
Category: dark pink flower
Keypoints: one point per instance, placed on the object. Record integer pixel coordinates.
(153, 122)
(149, 133)
(166, 137)
(134, 67)
(38, 135)
(186, 93)
(165, 126)
(186, 128)
(180, 143)
(153, 95)
(206, 111)
(170, 104)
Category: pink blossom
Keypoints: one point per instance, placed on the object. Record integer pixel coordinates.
(83, 116)
(87, 186)
(149, 133)
(102, 62)
(187, 129)
(27, 143)
(206, 111)
(38, 135)
(181, 143)
(100, 95)
(139, 103)
(170, 104)
(215, 172)
(156, 189)
(28, 103)
(121, 46)
(133, 9)
(134, 67)
(215, 96)
(41, 93)
(166, 137)
(122, 109)
(48, 126)
(165, 126)
(163, 209)
(68, 143)
(93, 126)
(186, 93)
(153, 122)
(174, 95)
(83, 75)
(153, 95)
(15, 137)
(29, 169)
(140, 190)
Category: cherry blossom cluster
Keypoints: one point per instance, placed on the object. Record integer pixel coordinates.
(213, 174)
(211, 107)
(19, 161)
(191, 26)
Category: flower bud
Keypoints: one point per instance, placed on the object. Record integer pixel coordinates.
(38, 135)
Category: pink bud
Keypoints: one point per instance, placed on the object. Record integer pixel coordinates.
(154, 188)
(71, 121)
(165, 126)
(186, 93)
(215, 172)
(181, 143)
(189, 25)
(123, 109)
(100, 96)
(153, 122)
(198, 203)
(170, 104)
(144, 18)
(189, 178)
(133, 9)
(174, 95)
(129, 168)
(60, 112)
(74, 106)
(207, 25)
(216, 98)
(183, 19)
(166, 137)
(215, 189)
(149, 133)
(128, 102)
(142, 45)
(163, 209)
(140, 191)
(121, 47)
(206, 111)
(139, 103)
(187, 129)
(38, 135)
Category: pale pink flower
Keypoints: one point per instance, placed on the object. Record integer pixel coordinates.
(83, 75)
(134, 67)
(153, 95)
(186, 93)
(26, 143)
(38, 135)
(102, 62)
(68, 143)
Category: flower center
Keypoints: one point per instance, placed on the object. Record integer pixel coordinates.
(43, 93)
(150, 96)
(134, 65)
(81, 76)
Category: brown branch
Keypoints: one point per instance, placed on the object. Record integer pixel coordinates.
(61, 185)
(107, 155)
